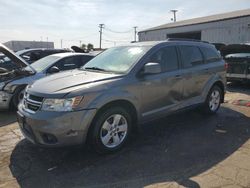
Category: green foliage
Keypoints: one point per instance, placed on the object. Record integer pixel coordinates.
(90, 46)
(83, 46)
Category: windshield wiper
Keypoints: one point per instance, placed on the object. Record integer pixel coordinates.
(95, 68)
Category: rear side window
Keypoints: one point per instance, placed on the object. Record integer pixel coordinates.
(210, 54)
(167, 58)
(31, 56)
(69, 63)
(85, 59)
(191, 56)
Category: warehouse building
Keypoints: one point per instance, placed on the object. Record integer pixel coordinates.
(21, 45)
(227, 28)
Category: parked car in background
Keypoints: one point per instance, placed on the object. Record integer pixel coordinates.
(237, 58)
(119, 89)
(13, 83)
(30, 56)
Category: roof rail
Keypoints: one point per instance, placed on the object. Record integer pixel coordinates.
(185, 39)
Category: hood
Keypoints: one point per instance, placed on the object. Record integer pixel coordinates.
(14, 58)
(235, 48)
(65, 82)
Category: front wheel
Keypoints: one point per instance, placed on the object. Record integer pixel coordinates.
(18, 96)
(213, 100)
(111, 130)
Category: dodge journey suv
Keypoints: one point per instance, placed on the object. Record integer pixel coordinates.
(121, 88)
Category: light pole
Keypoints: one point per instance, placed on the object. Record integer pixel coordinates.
(174, 12)
(135, 33)
(101, 26)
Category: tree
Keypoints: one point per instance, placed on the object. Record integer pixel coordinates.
(83, 46)
(90, 46)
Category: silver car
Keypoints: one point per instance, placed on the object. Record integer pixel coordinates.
(119, 90)
(13, 83)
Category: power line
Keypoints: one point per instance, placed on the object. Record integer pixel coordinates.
(110, 30)
(116, 38)
(109, 40)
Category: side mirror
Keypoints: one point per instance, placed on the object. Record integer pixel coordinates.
(53, 69)
(151, 68)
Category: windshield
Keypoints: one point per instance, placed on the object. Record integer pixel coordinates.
(43, 63)
(116, 60)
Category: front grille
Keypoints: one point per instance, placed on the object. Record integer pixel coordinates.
(32, 103)
(36, 98)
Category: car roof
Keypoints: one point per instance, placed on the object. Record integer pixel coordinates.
(175, 41)
(43, 49)
(67, 54)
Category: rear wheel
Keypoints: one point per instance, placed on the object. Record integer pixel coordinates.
(111, 130)
(213, 100)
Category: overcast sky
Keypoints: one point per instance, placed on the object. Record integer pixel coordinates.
(78, 20)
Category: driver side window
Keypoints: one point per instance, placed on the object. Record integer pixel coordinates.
(166, 57)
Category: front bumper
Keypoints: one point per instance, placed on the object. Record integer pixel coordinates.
(55, 128)
(5, 99)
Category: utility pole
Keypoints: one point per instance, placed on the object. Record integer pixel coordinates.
(101, 26)
(61, 42)
(135, 32)
(80, 43)
(47, 42)
(174, 12)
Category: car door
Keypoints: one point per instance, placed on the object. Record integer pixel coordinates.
(162, 92)
(193, 71)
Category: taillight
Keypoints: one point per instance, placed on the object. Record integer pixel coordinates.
(226, 66)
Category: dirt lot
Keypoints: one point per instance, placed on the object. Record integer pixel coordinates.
(184, 150)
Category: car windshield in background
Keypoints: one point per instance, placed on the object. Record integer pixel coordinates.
(43, 63)
(117, 59)
(238, 55)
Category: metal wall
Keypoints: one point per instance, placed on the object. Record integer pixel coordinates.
(21, 45)
(228, 31)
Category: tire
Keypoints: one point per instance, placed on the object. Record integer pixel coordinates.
(18, 96)
(110, 130)
(213, 100)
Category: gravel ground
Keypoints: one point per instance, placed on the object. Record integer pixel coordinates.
(187, 149)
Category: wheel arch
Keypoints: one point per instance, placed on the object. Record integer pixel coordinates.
(221, 86)
(126, 104)
(16, 89)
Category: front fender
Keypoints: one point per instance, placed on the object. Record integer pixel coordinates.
(114, 96)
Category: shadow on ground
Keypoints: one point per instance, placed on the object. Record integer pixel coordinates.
(7, 117)
(239, 87)
(172, 149)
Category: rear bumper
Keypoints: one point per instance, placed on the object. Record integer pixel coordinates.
(55, 129)
(232, 76)
(5, 99)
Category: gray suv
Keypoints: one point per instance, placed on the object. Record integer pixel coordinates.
(118, 90)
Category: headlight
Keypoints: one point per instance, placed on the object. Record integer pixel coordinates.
(61, 105)
(2, 84)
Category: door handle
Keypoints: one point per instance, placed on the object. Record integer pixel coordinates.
(178, 76)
